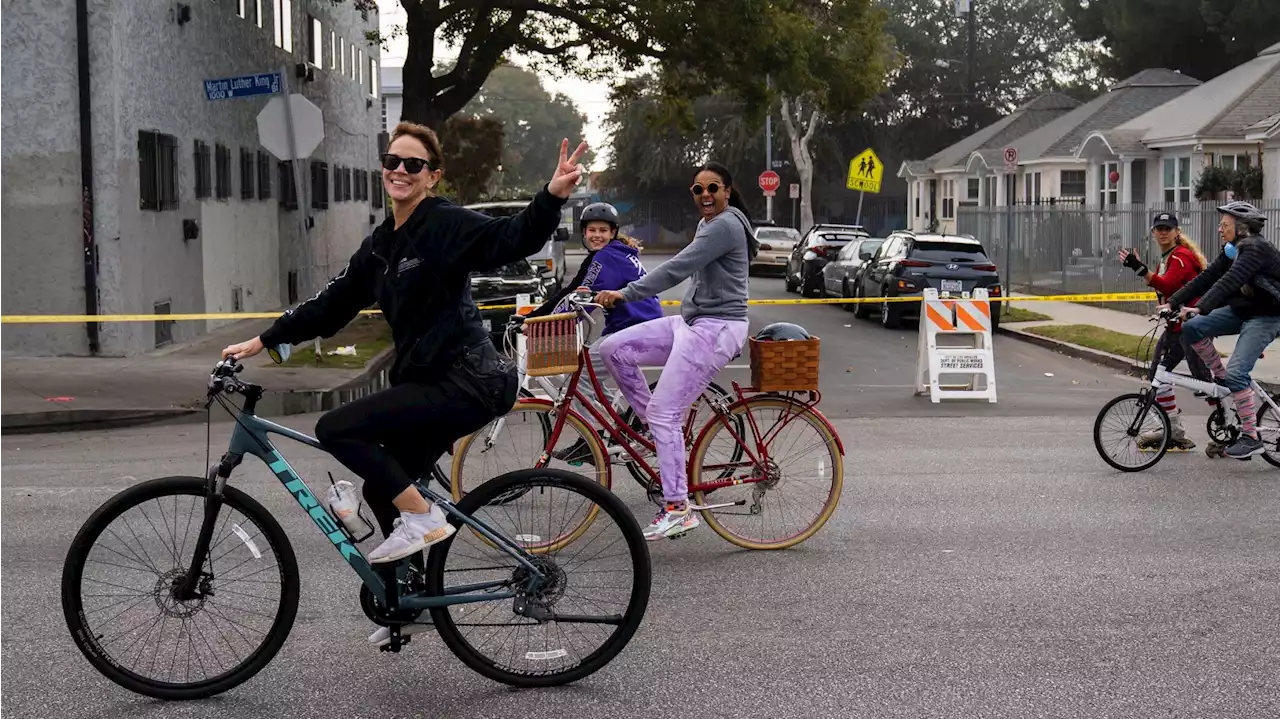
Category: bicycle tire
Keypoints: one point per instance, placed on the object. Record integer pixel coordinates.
(1267, 455)
(1164, 420)
(72, 604)
(810, 416)
(605, 501)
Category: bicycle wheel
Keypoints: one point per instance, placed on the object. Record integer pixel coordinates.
(802, 459)
(1268, 424)
(714, 393)
(1117, 419)
(518, 439)
(549, 654)
(107, 557)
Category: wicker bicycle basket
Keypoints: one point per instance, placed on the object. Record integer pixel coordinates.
(785, 365)
(552, 343)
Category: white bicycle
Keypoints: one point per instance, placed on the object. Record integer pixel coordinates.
(1132, 415)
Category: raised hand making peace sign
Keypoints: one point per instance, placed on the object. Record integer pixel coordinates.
(568, 172)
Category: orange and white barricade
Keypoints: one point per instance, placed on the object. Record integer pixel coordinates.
(955, 358)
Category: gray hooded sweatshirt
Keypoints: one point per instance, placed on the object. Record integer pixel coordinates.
(717, 260)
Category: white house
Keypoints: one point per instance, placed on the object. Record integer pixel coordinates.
(937, 184)
(1229, 120)
(1266, 132)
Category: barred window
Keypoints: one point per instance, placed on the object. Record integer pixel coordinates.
(223, 157)
(264, 176)
(319, 185)
(247, 171)
(157, 171)
(288, 190)
(204, 170)
(375, 187)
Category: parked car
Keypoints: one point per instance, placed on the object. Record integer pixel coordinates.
(550, 260)
(908, 263)
(500, 286)
(776, 244)
(819, 246)
(838, 275)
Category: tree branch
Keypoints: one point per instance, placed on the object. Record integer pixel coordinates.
(577, 16)
(481, 60)
(528, 44)
(813, 125)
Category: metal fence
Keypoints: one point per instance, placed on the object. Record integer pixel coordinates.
(1049, 249)
(670, 223)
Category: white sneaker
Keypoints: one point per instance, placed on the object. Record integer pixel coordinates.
(671, 522)
(412, 534)
(382, 637)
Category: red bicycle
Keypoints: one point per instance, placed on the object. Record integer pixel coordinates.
(763, 450)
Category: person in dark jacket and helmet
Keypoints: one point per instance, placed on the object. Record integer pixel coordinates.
(613, 262)
(1239, 294)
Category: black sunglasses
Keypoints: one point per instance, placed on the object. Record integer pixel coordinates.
(712, 188)
(412, 165)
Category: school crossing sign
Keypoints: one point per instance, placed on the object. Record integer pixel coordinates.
(865, 172)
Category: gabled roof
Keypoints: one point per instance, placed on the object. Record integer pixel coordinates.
(1220, 108)
(996, 136)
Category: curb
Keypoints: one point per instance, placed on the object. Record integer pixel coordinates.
(1106, 359)
(80, 420)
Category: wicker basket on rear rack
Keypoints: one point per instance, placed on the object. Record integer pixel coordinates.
(553, 344)
(785, 365)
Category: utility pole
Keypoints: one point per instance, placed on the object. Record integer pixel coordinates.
(768, 150)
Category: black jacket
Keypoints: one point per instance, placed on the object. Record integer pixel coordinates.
(419, 275)
(1250, 284)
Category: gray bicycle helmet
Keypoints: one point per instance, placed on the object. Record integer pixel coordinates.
(596, 212)
(1251, 216)
(782, 331)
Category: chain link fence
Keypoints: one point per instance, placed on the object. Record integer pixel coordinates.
(1053, 248)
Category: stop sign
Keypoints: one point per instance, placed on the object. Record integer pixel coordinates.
(273, 131)
(769, 182)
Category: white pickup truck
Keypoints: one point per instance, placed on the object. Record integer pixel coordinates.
(550, 259)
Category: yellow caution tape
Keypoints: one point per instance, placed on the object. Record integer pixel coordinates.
(64, 319)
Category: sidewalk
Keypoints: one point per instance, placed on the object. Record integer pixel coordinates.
(61, 393)
(1266, 371)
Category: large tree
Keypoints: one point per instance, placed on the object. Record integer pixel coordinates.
(714, 43)
(1200, 38)
(533, 122)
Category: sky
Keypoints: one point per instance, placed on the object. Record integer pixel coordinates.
(590, 97)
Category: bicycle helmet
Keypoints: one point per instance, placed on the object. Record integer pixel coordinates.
(782, 331)
(1251, 216)
(598, 212)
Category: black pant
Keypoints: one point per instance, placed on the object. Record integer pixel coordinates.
(391, 438)
(1174, 351)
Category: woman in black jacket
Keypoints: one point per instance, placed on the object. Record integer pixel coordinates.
(448, 379)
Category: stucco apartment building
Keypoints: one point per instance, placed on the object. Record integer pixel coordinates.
(183, 211)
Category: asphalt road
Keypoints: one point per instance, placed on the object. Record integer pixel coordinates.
(983, 562)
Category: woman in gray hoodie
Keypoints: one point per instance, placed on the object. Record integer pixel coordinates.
(692, 346)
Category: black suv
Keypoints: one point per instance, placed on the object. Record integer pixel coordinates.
(500, 286)
(819, 246)
(907, 263)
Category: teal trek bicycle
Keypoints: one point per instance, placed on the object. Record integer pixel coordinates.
(185, 587)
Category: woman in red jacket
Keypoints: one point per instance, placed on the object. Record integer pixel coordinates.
(1180, 262)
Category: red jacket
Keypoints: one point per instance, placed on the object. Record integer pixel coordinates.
(1176, 270)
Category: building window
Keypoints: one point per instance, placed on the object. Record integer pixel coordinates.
(333, 50)
(257, 13)
(916, 194)
(240, 7)
(264, 176)
(157, 171)
(288, 190)
(360, 68)
(1234, 162)
(375, 186)
(1108, 191)
(315, 42)
(222, 167)
(284, 24)
(355, 65)
(247, 168)
(1071, 183)
(342, 55)
(374, 81)
(204, 170)
(319, 185)
(973, 189)
(1177, 179)
(346, 194)
(989, 191)
(293, 286)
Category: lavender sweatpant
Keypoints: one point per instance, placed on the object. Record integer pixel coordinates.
(691, 356)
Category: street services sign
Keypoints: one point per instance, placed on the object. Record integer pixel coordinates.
(266, 83)
(865, 172)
